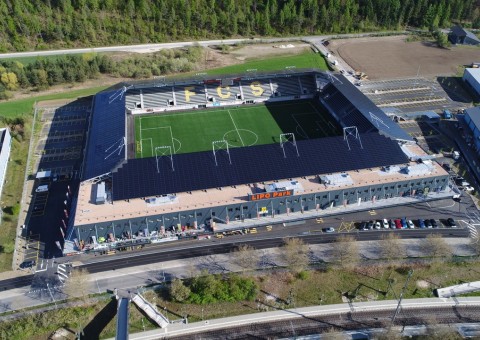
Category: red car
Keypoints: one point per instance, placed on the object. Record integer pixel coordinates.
(398, 224)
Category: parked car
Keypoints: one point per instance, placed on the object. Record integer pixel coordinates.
(364, 226)
(377, 225)
(428, 224)
(404, 223)
(370, 225)
(392, 224)
(410, 224)
(398, 224)
(433, 223)
(328, 230)
(451, 222)
(421, 223)
(385, 223)
(27, 264)
(469, 188)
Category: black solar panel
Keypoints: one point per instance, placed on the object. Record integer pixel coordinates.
(196, 171)
(105, 137)
(370, 111)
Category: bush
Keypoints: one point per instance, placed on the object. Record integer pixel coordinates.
(213, 288)
(303, 275)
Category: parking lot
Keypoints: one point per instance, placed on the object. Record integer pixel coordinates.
(57, 151)
(414, 94)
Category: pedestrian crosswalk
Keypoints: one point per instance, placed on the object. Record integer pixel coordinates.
(472, 228)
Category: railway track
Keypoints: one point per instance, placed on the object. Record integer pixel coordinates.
(343, 322)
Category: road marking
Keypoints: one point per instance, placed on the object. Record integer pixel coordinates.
(372, 212)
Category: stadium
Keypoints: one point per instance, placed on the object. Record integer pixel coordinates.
(188, 154)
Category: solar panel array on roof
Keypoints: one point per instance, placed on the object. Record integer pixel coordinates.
(105, 148)
(369, 110)
(197, 171)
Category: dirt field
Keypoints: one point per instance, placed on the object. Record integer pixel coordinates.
(393, 57)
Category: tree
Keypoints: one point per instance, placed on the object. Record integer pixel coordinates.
(441, 39)
(295, 254)
(77, 283)
(345, 251)
(391, 246)
(178, 291)
(435, 246)
(9, 79)
(244, 256)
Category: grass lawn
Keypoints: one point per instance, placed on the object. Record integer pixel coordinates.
(11, 195)
(240, 126)
(309, 59)
(23, 107)
(323, 287)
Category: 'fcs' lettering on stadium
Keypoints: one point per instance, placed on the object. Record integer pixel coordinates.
(224, 91)
(268, 195)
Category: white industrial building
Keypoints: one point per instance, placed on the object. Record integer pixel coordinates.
(5, 142)
(471, 76)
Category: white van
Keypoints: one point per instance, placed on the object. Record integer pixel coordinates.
(42, 188)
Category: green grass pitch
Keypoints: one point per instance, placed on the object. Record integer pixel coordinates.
(240, 126)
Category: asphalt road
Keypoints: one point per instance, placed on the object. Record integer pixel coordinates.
(156, 47)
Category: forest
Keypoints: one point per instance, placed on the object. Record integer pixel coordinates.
(44, 24)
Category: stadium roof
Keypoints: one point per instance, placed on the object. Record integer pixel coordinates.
(106, 135)
(385, 125)
(197, 171)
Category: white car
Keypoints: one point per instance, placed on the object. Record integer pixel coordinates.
(410, 224)
(377, 225)
(385, 223)
(469, 188)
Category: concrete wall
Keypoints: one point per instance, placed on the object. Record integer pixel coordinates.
(271, 207)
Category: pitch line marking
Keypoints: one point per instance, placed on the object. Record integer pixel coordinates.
(301, 127)
(236, 128)
(321, 116)
(171, 135)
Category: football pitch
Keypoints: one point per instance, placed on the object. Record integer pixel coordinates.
(239, 126)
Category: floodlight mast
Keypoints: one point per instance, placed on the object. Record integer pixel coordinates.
(378, 121)
(118, 94)
(288, 137)
(351, 131)
(220, 143)
(119, 143)
(164, 152)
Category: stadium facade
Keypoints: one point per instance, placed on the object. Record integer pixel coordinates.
(121, 196)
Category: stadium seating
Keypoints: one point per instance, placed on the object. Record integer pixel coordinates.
(132, 98)
(256, 88)
(190, 94)
(157, 97)
(288, 86)
(308, 84)
(344, 110)
(226, 93)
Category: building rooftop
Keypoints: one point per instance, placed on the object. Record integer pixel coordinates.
(474, 72)
(89, 213)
